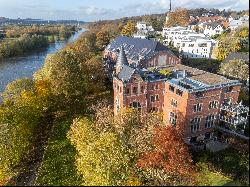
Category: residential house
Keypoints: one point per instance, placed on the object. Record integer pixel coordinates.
(143, 30)
(242, 21)
(213, 28)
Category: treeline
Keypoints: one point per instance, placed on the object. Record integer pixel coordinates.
(22, 39)
(60, 88)
(46, 30)
(24, 44)
(158, 20)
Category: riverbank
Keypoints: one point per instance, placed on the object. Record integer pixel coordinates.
(25, 66)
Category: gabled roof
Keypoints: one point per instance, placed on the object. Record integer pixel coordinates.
(136, 47)
(233, 56)
(213, 24)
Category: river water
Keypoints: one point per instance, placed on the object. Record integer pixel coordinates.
(25, 66)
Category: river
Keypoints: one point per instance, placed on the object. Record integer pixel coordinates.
(21, 67)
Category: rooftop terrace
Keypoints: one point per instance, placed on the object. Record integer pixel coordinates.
(183, 77)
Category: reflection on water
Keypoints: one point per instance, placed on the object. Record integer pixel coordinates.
(20, 67)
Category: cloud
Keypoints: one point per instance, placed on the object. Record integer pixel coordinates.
(79, 9)
(162, 6)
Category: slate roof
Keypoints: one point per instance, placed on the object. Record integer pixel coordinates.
(212, 24)
(122, 59)
(136, 47)
(233, 56)
(125, 73)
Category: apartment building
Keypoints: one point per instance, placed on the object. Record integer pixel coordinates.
(187, 97)
(189, 43)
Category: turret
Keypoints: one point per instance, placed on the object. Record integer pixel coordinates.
(121, 60)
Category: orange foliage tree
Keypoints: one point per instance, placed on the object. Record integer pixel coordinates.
(169, 159)
(179, 17)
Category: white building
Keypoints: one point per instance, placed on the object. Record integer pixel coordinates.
(189, 43)
(143, 30)
(141, 26)
(175, 33)
(212, 29)
(196, 47)
(242, 21)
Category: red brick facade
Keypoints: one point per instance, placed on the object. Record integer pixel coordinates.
(162, 58)
(157, 96)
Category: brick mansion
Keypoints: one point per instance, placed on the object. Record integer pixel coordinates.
(148, 76)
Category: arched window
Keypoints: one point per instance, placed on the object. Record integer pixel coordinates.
(135, 105)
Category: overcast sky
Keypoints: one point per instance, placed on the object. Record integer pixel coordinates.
(91, 10)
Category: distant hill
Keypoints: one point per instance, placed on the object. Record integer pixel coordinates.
(29, 21)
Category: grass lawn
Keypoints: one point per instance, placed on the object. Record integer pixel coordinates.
(215, 168)
(209, 178)
(57, 168)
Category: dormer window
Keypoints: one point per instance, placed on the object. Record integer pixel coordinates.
(229, 89)
(199, 94)
(171, 88)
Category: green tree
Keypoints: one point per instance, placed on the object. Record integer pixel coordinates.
(236, 69)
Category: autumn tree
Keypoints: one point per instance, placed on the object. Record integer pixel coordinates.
(179, 17)
(227, 45)
(102, 158)
(120, 138)
(242, 32)
(102, 39)
(26, 106)
(129, 29)
(235, 68)
(169, 162)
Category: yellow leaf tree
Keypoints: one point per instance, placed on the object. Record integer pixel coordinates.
(129, 29)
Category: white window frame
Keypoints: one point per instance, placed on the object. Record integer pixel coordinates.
(195, 124)
(174, 102)
(197, 106)
(172, 118)
(210, 121)
(137, 106)
(213, 104)
(154, 98)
